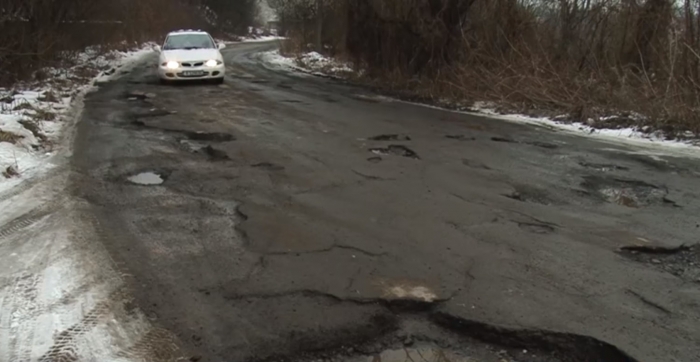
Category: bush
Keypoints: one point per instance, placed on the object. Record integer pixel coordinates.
(585, 58)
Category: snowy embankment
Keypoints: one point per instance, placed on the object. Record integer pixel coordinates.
(33, 115)
(255, 39)
(312, 63)
(316, 64)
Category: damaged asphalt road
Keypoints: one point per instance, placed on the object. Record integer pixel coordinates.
(288, 217)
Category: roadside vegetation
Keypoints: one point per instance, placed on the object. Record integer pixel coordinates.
(605, 63)
(46, 33)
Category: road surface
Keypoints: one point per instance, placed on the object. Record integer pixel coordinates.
(283, 217)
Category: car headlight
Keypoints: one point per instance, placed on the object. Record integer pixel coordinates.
(212, 63)
(172, 65)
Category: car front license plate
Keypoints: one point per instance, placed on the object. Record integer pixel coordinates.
(193, 73)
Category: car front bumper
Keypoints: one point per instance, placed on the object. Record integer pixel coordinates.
(181, 73)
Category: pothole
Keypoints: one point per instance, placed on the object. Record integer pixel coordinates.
(628, 193)
(151, 113)
(503, 139)
(536, 228)
(215, 154)
(526, 193)
(460, 137)
(190, 135)
(148, 178)
(603, 167)
(682, 261)
(268, 166)
(397, 150)
(425, 352)
(139, 95)
(390, 137)
(549, 146)
(475, 164)
(210, 136)
(540, 144)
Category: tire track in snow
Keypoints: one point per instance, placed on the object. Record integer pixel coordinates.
(22, 222)
(22, 302)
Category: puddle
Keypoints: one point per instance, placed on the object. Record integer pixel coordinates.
(629, 193)
(390, 137)
(146, 178)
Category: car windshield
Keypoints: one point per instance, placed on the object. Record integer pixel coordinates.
(188, 41)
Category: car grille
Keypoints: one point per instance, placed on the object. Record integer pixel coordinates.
(193, 64)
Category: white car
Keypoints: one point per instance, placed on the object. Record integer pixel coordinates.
(190, 55)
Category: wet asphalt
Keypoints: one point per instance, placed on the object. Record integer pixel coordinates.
(294, 217)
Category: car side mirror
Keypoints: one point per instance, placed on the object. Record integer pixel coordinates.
(222, 46)
(156, 48)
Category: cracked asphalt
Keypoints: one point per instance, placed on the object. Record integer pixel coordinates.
(304, 218)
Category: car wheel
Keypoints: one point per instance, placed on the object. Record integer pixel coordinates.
(219, 81)
(164, 81)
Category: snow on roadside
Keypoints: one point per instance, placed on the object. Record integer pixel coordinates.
(260, 39)
(630, 135)
(275, 58)
(312, 63)
(316, 64)
(31, 119)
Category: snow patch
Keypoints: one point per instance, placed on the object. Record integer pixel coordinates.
(31, 119)
(275, 58)
(627, 134)
(260, 39)
(311, 62)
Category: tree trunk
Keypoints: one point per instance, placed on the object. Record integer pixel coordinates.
(319, 26)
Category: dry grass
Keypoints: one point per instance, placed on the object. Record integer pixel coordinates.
(23, 107)
(586, 59)
(10, 172)
(43, 115)
(35, 128)
(49, 97)
(9, 137)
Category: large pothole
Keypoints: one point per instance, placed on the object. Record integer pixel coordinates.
(682, 261)
(438, 337)
(425, 352)
(625, 192)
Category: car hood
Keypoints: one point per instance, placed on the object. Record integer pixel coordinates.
(182, 55)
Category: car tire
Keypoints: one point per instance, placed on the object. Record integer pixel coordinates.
(164, 81)
(219, 81)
